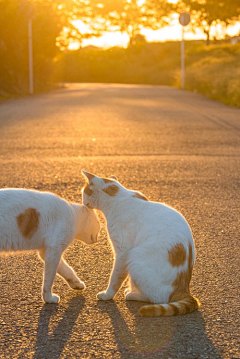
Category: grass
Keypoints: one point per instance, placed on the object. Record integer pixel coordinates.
(213, 71)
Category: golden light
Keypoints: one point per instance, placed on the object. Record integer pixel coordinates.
(172, 32)
(81, 26)
(141, 2)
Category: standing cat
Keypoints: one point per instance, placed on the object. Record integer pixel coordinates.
(152, 243)
(42, 221)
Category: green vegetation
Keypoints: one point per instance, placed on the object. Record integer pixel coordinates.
(141, 64)
(14, 15)
(212, 70)
(206, 14)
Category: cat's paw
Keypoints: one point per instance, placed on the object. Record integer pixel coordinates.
(104, 296)
(51, 298)
(76, 284)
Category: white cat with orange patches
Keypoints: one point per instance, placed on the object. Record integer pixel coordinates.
(42, 221)
(152, 243)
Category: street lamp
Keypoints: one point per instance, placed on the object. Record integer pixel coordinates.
(184, 20)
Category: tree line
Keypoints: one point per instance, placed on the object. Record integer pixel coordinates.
(53, 29)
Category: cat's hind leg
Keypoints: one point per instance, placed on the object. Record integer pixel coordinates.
(65, 271)
(131, 286)
(133, 292)
(51, 257)
(136, 296)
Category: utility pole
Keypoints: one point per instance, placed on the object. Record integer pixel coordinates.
(184, 20)
(30, 55)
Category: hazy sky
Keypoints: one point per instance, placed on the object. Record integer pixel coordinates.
(173, 32)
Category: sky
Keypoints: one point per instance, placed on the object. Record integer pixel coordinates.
(168, 33)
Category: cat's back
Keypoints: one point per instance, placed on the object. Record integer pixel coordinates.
(14, 201)
(29, 217)
(149, 211)
(159, 214)
(148, 218)
(10, 197)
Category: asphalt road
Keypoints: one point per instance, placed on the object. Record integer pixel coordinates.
(174, 146)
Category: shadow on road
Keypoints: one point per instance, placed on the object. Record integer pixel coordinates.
(51, 345)
(169, 337)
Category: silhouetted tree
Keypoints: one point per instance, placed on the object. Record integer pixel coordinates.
(46, 24)
(49, 19)
(211, 12)
(131, 16)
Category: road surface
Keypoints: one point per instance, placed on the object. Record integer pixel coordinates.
(174, 146)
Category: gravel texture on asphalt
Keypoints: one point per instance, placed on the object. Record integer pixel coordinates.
(175, 147)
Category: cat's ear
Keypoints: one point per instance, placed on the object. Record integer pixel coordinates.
(113, 177)
(87, 175)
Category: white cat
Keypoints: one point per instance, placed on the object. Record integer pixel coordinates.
(152, 243)
(33, 220)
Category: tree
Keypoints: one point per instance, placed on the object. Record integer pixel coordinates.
(85, 11)
(131, 16)
(49, 17)
(14, 15)
(211, 12)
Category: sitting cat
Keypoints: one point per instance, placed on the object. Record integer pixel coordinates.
(152, 243)
(45, 222)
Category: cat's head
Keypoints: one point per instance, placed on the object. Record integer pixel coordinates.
(98, 190)
(90, 228)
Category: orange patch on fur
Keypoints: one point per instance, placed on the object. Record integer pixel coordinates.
(181, 283)
(174, 309)
(140, 196)
(153, 310)
(108, 180)
(28, 222)
(180, 301)
(177, 255)
(89, 175)
(87, 190)
(111, 190)
(187, 305)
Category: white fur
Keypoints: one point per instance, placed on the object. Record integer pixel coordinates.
(59, 223)
(141, 233)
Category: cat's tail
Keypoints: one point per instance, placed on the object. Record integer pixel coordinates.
(186, 305)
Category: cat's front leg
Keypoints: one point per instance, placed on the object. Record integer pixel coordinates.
(118, 275)
(65, 271)
(51, 256)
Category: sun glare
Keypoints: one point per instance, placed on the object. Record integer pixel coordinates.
(79, 24)
(141, 2)
(173, 32)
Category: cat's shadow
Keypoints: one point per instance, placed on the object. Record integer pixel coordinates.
(167, 337)
(52, 344)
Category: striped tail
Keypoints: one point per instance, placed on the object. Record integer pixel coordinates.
(186, 305)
